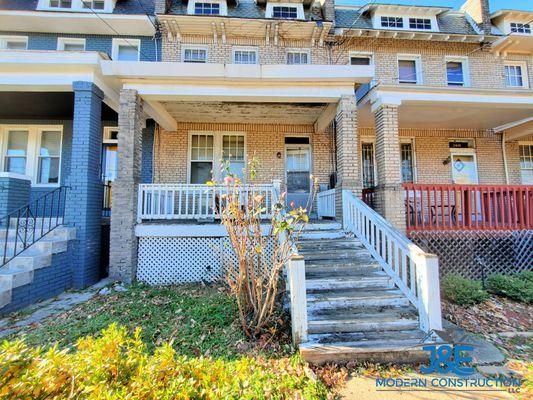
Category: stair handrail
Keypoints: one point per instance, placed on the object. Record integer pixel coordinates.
(415, 272)
(50, 206)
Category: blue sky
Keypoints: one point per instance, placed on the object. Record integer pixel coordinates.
(494, 4)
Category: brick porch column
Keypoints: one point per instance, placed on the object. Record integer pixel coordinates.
(83, 205)
(347, 155)
(123, 246)
(389, 193)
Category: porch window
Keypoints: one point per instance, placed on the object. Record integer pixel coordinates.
(126, 49)
(517, 27)
(13, 42)
(207, 8)
(16, 151)
(420, 23)
(391, 22)
(233, 153)
(514, 75)
(408, 162)
(49, 156)
(245, 56)
(297, 57)
(202, 152)
(368, 164)
(526, 163)
(71, 44)
(195, 55)
(408, 70)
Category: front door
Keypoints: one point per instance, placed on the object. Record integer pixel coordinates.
(298, 171)
(464, 169)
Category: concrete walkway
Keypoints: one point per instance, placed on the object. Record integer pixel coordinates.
(38, 312)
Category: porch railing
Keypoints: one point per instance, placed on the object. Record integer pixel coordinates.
(415, 272)
(326, 203)
(192, 201)
(468, 207)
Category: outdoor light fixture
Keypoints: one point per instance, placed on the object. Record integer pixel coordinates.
(278, 154)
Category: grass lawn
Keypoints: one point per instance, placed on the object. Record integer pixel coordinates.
(201, 324)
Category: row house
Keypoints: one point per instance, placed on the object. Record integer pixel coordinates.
(417, 123)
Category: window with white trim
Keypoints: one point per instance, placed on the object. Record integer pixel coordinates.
(361, 59)
(516, 74)
(101, 6)
(93, 4)
(34, 151)
(409, 70)
(60, 4)
(211, 152)
(206, 8)
(13, 42)
(526, 163)
(391, 22)
(126, 49)
(408, 164)
(517, 27)
(368, 164)
(245, 56)
(71, 44)
(420, 23)
(284, 12)
(298, 57)
(194, 54)
(457, 71)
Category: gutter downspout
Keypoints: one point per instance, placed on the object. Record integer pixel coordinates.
(504, 154)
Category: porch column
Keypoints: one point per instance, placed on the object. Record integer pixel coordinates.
(347, 155)
(83, 205)
(389, 193)
(123, 246)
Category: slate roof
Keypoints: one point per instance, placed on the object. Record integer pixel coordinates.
(122, 6)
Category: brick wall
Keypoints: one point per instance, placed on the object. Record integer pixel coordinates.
(14, 193)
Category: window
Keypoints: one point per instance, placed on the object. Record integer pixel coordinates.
(409, 70)
(209, 153)
(420, 23)
(517, 27)
(194, 55)
(407, 162)
(60, 3)
(457, 72)
(94, 4)
(361, 59)
(245, 56)
(514, 75)
(13, 42)
(284, 12)
(70, 44)
(392, 22)
(34, 151)
(298, 57)
(526, 163)
(207, 8)
(126, 49)
(368, 165)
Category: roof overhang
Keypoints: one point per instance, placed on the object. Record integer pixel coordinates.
(69, 22)
(448, 107)
(411, 35)
(221, 28)
(521, 14)
(517, 129)
(514, 43)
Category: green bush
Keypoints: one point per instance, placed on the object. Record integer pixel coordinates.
(117, 366)
(517, 287)
(463, 291)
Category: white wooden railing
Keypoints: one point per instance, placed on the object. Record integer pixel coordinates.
(326, 203)
(188, 201)
(415, 272)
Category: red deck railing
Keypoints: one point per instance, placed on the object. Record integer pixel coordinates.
(468, 207)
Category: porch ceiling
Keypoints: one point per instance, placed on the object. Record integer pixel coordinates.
(244, 112)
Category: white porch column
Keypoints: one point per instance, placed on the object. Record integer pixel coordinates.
(123, 247)
(389, 197)
(348, 177)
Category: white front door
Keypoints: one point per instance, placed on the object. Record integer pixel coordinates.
(298, 171)
(464, 169)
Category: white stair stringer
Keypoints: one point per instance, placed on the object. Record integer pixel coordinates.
(20, 270)
(355, 312)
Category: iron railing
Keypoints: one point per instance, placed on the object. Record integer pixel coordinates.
(30, 223)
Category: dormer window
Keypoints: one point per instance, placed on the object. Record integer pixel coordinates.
(420, 23)
(517, 27)
(206, 8)
(105, 6)
(392, 22)
(284, 11)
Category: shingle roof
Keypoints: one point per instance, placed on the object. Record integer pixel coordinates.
(122, 6)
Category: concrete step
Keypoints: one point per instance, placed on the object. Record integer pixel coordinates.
(51, 244)
(322, 234)
(314, 284)
(31, 259)
(13, 277)
(356, 298)
(61, 232)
